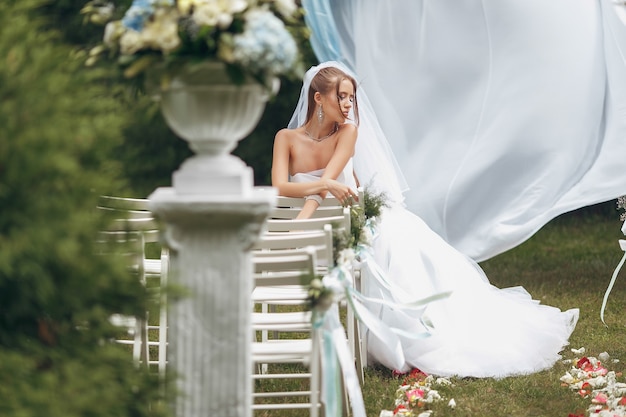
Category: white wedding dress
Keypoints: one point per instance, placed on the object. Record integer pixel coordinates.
(479, 331)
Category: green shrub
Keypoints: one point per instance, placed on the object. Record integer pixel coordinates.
(58, 125)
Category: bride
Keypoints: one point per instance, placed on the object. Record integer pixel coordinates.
(334, 144)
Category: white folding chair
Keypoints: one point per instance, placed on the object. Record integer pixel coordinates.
(302, 225)
(286, 269)
(133, 222)
(280, 230)
(271, 245)
(329, 212)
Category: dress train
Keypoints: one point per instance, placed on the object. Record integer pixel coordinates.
(478, 331)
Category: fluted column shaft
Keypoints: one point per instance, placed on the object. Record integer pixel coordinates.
(210, 335)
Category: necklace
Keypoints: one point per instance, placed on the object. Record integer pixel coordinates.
(332, 132)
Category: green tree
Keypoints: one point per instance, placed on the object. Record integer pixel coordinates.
(58, 126)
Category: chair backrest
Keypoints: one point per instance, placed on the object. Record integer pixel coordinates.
(279, 244)
(288, 213)
(129, 217)
(284, 225)
(123, 203)
(329, 201)
(127, 229)
(289, 267)
(282, 201)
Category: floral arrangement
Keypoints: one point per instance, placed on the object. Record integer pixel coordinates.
(621, 205)
(589, 378)
(363, 220)
(415, 395)
(258, 38)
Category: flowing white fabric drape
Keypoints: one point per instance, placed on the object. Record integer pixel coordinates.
(502, 114)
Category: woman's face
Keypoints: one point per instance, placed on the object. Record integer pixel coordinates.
(337, 105)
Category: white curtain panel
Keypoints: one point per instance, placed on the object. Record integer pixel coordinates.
(502, 114)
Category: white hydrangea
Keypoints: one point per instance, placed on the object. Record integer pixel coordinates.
(217, 12)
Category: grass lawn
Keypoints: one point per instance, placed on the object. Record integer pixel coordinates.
(567, 264)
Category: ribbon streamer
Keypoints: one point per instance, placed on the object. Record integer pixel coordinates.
(335, 347)
(622, 244)
(336, 352)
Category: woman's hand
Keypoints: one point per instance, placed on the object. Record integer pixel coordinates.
(344, 194)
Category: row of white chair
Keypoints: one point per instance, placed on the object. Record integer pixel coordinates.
(132, 224)
(289, 250)
(286, 237)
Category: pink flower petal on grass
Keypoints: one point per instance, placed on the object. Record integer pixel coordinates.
(415, 394)
(600, 399)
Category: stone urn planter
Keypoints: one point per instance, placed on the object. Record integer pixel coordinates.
(205, 108)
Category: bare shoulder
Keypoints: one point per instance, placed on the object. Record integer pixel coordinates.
(348, 127)
(348, 130)
(285, 135)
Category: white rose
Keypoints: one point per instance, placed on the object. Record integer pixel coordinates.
(367, 236)
(235, 6)
(131, 42)
(217, 12)
(184, 6)
(206, 14)
(112, 32)
(346, 257)
(286, 7)
(163, 32)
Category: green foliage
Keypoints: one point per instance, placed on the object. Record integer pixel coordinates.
(149, 152)
(256, 149)
(58, 125)
(373, 203)
(371, 209)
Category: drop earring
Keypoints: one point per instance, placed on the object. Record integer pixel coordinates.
(320, 115)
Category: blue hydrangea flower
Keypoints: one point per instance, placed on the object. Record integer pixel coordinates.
(265, 44)
(140, 11)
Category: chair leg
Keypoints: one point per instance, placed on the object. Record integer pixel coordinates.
(358, 356)
(315, 369)
(140, 343)
(264, 339)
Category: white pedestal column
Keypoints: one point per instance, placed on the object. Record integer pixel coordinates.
(210, 332)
